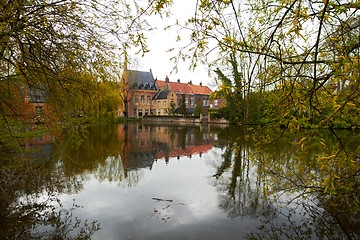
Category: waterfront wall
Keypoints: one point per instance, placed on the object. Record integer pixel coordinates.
(182, 120)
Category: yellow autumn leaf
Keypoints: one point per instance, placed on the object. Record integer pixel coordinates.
(337, 106)
(324, 158)
(301, 140)
(350, 104)
(326, 179)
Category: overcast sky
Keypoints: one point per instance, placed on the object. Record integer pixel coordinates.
(159, 41)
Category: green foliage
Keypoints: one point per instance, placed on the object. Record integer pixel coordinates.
(289, 65)
(198, 109)
(214, 113)
(182, 106)
(66, 51)
(172, 108)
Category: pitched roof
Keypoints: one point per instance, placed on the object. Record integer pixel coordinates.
(180, 88)
(161, 83)
(204, 90)
(162, 94)
(141, 80)
(189, 110)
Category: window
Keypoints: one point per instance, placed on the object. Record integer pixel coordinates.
(159, 103)
(164, 103)
(140, 112)
(165, 111)
(136, 99)
(192, 101)
(142, 99)
(38, 110)
(37, 97)
(159, 113)
(204, 102)
(151, 112)
(216, 103)
(187, 102)
(148, 99)
(146, 112)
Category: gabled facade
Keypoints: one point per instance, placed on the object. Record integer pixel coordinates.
(137, 92)
(164, 102)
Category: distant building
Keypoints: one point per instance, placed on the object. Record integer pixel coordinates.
(164, 102)
(194, 94)
(143, 95)
(138, 89)
(217, 103)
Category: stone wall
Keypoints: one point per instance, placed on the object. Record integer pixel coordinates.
(181, 120)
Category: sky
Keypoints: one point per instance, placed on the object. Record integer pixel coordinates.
(159, 41)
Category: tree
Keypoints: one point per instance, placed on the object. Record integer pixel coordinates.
(198, 109)
(278, 50)
(65, 49)
(172, 108)
(182, 106)
(302, 61)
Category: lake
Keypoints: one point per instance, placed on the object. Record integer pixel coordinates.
(136, 181)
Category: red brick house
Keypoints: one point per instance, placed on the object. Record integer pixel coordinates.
(193, 93)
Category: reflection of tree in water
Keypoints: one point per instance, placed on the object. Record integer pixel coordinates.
(304, 220)
(238, 184)
(113, 170)
(28, 196)
(255, 182)
(103, 153)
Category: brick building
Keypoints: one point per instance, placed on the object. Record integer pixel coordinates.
(143, 95)
(194, 94)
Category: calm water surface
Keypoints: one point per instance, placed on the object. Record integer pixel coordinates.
(158, 182)
(139, 181)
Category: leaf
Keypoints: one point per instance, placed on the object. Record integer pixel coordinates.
(326, 189)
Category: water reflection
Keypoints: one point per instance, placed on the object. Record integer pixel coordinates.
(30, 207)
(112, 151)
(180, 182)
(283, 187)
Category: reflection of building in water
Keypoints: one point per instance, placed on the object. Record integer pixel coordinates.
(43, 145)
(144, 143)
(187, 151)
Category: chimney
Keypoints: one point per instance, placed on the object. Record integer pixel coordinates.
(190, 82)
(151, 73)
(200, 84)
(166, 79)
(178, 80)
